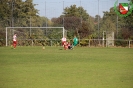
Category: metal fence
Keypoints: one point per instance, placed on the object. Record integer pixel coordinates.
(82, 42)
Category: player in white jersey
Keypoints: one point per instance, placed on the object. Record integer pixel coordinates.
(14, 40)
(63, 40)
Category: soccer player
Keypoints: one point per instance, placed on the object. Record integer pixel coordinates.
(65, 45)
(75, 41)
(69, 45)
(63, 40)
(14, 40)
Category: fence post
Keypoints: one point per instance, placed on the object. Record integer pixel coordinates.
(51, 42)
(129, 43)
(106, 42)
(89, 42)
(103, 42)
(32, 42)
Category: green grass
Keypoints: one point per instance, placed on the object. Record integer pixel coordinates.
(32, 67)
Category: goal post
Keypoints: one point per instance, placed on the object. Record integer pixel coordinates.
(24, 31)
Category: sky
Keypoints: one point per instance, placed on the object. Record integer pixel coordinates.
(54, 8)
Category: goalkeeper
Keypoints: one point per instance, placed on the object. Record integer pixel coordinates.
(75, 41)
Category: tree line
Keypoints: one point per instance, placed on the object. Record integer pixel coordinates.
(76, 20)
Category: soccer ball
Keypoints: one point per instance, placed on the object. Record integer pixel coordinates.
(43, 47)
(11, 46)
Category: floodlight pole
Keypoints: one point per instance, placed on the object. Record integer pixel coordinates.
(98, 20)
(30, 26)
(103, 37)
(45, 14)
(117, 27)
(6, 36)
(63, 32)
(80, 13)
(63, 16)
(12, 13)
(45, 19)
(117, 24)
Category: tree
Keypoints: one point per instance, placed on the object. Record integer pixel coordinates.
(75, 19)
(5, 5)
(76, 12)
(18, 13)
(108, 25)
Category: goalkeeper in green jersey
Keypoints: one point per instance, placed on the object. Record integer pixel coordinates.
(75, 41)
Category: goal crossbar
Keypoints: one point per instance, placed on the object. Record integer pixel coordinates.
(32, 27)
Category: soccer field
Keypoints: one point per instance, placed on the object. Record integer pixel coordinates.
(53, 67)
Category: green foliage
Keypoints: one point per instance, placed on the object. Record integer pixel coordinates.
(121, 43)
(109, 21)
(17, 13)
(108, 25)
(84, 42)
(76, 12)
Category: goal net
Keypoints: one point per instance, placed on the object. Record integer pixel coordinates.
(35, 36)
